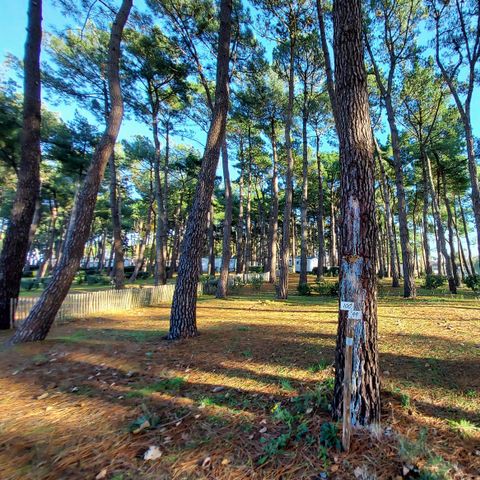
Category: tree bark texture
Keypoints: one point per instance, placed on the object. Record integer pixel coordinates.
(273, 222)
(118, 271)
(358, 226)
(17, 236)
(222, 286)
(282, 290)
(183, 314)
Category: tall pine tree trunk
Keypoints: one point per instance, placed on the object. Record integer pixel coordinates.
(118, 273)
(17, 236)
(160, 275)
(37, 325)
(282, 290)
(240, 227)
(273, 223)
(440, 229)
(184, 307)
(358, 228)
(388, 217)
(320, 213)
(222, 286)
(304, 204)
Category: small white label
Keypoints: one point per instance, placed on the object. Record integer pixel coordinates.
(349, 341)
(346, 306)
(355, 314)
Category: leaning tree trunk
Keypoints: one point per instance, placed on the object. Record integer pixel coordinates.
(282, 291)
(37, 325)
(273, 223)
(358, 228)
(17, 236)
(118, 271)
(183, 321)
(222, 286)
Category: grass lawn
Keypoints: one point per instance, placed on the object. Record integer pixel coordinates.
(247, 399)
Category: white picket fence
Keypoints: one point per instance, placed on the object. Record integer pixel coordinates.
(80, 305)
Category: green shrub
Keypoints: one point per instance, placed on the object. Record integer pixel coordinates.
(433, 282)
(473, 282)
(304, 289)
(29, 284)
(80, 278)
(143, 275)
(257, 282)
(256, 269)
(327, 288)
(329, 435)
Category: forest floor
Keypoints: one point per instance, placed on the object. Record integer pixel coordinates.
(247, 399)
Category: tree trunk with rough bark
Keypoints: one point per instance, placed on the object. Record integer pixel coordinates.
(240, 223)
(17, 237)
(211, 242)
(183, 314)
(304, 205)
(37, 325)
(43, 267)
(282, 289)
(320, 212)
(160, 275)
(273, 223)
(118, 271)
(388, 217)
(222, 286)
(358, 228)
(143, 245)
(440, 229)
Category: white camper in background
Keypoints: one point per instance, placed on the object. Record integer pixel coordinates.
(218, 264)
(312, 262)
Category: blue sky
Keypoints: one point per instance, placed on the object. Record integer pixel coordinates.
(13, 22)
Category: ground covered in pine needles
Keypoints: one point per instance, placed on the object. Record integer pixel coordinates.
(107, 398)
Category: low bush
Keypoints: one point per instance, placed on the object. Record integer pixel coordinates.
(433, 282)
(327, 288)
(304, 289)
(473, 282)
(256, 269)
(257, 282)
(29, 284)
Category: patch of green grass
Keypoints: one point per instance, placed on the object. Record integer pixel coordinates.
(243, 328)
(247, 354)
(286, 385)
(39, 358)
(464, 428)
(318, 367)
(77, 336)
(207, 402)
(167, 385)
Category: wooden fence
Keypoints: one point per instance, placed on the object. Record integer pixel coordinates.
(80, 305)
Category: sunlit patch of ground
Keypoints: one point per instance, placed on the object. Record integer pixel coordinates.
(68, 406)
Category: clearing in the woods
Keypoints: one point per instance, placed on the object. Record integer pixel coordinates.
(248, 398)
